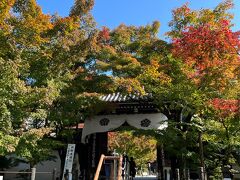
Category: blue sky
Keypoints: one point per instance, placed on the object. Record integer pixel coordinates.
(111, 13)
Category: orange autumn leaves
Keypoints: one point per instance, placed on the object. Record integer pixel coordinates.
(209, 49)
(226, 107)
(211, 54)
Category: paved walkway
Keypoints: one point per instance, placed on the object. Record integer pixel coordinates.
(145, 178)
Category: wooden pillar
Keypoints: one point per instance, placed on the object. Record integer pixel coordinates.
(96, 177)
(120, 168)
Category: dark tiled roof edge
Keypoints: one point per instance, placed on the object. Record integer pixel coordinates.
(118, 97)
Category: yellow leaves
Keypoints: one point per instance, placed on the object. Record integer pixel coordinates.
(50, 93)
(34, 147)
(118, 67)
(233, 91)
(79, 70)
(27, 8)
(155, 27)
(142, 148)
(67, 24)
(5, 7)
(81, 7)
(152, 75)
(122, 35)
(129, 85)
(108, 51)
(154, 63)
(126, 61)
(41, 23)
(128, 58)
(7, 143)
(30, 24)
(119, 61)
(32, 28)
(38, 133)
(102, 65)
(87, 95)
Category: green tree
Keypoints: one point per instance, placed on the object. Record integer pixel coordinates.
(200, 64)
(40, 55)
(208, 48)
(141, 147)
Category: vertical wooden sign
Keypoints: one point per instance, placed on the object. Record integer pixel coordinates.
(67, 172)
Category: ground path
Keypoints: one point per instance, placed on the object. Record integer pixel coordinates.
(145, 178)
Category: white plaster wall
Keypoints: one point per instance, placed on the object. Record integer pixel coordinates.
(46, 166)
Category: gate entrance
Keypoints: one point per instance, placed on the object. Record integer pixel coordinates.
(138, 145)
(138, 112)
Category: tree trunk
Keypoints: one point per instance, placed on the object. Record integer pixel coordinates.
(32, 165)
(161, 160)
(202, 165)
(62, 154)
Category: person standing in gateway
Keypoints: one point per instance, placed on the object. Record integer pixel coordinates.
(132, 166)
(125, 163)
(108, 166)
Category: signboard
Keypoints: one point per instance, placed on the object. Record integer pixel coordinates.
(67, 172)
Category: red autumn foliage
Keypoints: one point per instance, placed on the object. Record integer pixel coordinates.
(104, 34)
(111, 134)
(226, 107)
(206, 49)
(184, 10)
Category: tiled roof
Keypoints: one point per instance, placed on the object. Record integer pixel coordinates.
(118, 97)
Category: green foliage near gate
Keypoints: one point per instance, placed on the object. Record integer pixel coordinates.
(141, 147)
(53, 70)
